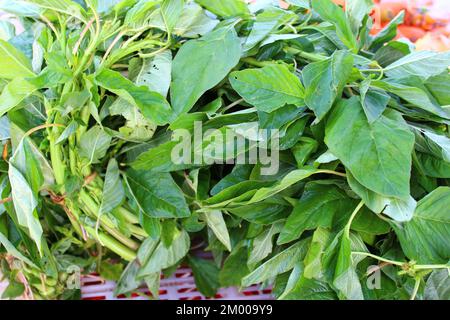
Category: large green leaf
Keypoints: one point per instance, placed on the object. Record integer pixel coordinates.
(13, 63)
(268, 88)
(215, 54)
(316, 208)
(425, 237)
(152, 104)
(423, 64)
(157, 194)
(325, 80)
(383, 147)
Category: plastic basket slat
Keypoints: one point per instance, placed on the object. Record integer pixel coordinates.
(180, 286)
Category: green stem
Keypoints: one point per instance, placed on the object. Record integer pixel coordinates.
(112, 244)
(354, 213)
(127, 215)
(256, 63)
(367, 254)
(72, 155)
(106, 223)
(56, 156)
(306, 55)
(341, 174)
(416, 289)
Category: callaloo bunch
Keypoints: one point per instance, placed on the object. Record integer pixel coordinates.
(104, 168)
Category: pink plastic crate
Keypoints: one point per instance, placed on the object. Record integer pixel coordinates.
(180, 286)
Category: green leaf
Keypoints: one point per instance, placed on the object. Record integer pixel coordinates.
(280, 263)
(264, 212)
(171, 11)
(424, 237)
(316, 208)
(439, 87)
(313, 260)
(70, 8)
(163, 257)
(14, 93)
(13, 290)
(94, 144)
(262, 245)
(325, 80)
(215, 54)
(235, 267)
(303, 150)
(387, 33)
(265, 23)
(13, 63)
(334, 14)
(291, 178)
(356, 10)
(68, 131)
(157, 194)
(373, 101)
(268, 88)
(391, 52)
(417, 96)
(240, 173)
(345, 277)
(397, 209)
(369, 223)
(25, 204)
(206, 275)
(310, 289)
(128, 280)
(152, 104)
(384, 147)
(225, 8)
(159, 159)
(113, 192)
(437, 286)
(14, 252)
(214, 220)
(423, 64)
(21, 8)
(154, 73)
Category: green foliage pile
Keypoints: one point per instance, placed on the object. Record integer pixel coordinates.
(93, 90)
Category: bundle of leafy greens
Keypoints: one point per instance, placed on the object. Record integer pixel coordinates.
(94, 92)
